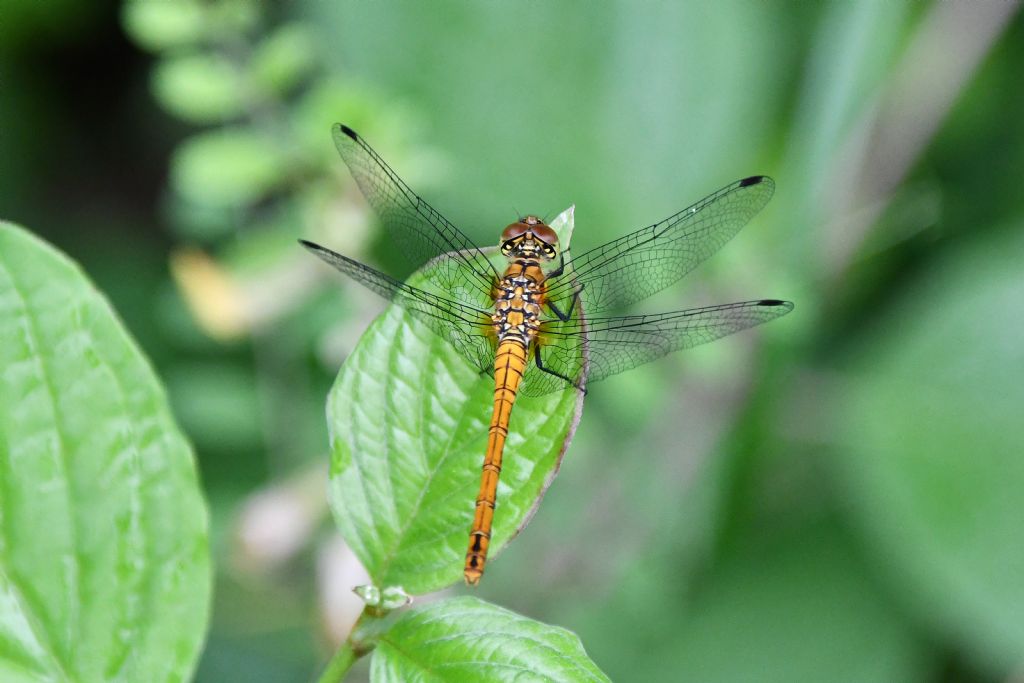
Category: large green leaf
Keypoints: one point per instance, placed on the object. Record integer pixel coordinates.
(104, 566)
(931, 442)
(408, 420)
(466, 639)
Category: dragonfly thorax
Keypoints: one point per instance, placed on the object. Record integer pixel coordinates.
(517, 307)
(529, 238)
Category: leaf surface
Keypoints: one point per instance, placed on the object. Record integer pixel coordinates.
(466, 639)
(104, 566)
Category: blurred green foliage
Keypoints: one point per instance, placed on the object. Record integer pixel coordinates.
(834, 497)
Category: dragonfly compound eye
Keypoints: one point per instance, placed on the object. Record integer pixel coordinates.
(513, 231)
(545, 234)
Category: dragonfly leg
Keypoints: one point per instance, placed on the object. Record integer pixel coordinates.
(540, 366)
(572, 304)
(561, 266)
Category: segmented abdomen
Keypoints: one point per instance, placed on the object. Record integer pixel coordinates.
(509, 365)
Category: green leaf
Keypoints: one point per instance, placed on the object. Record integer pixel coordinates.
(104, 565)
(466, 639)
(284, 58)
(563, 225)
(408, 419)
(930, 439)
(159, 25)
(228, 167)
(200, 88)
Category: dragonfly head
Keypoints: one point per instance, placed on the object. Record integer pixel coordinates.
(529, 237)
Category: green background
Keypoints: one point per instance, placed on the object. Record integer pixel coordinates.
(836, 496)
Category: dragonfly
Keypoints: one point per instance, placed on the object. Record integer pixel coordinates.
(542, 323)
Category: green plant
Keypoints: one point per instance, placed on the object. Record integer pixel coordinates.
(104, 560)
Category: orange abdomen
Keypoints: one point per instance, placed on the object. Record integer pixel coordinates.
(509, 365)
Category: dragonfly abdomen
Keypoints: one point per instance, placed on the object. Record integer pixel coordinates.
(509, 365)
(516, 322)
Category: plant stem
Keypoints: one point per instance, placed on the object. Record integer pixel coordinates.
(361, 640)
(340, 663)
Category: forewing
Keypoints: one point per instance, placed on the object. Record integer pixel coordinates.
(635, 266)
(462, 325)
(417, 230)
(590, 350)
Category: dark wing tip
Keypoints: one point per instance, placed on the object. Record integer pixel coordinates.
(753, 180)
(347, 131)
(776, 303)
(318, 250)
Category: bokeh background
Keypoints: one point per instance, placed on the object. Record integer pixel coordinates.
(836, 496)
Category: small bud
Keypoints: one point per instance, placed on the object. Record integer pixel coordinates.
(369, 594)
(394, 597)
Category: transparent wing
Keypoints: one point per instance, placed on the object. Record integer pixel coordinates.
(586, 351)
(417, 230)
(635, 266)
(465, 327)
